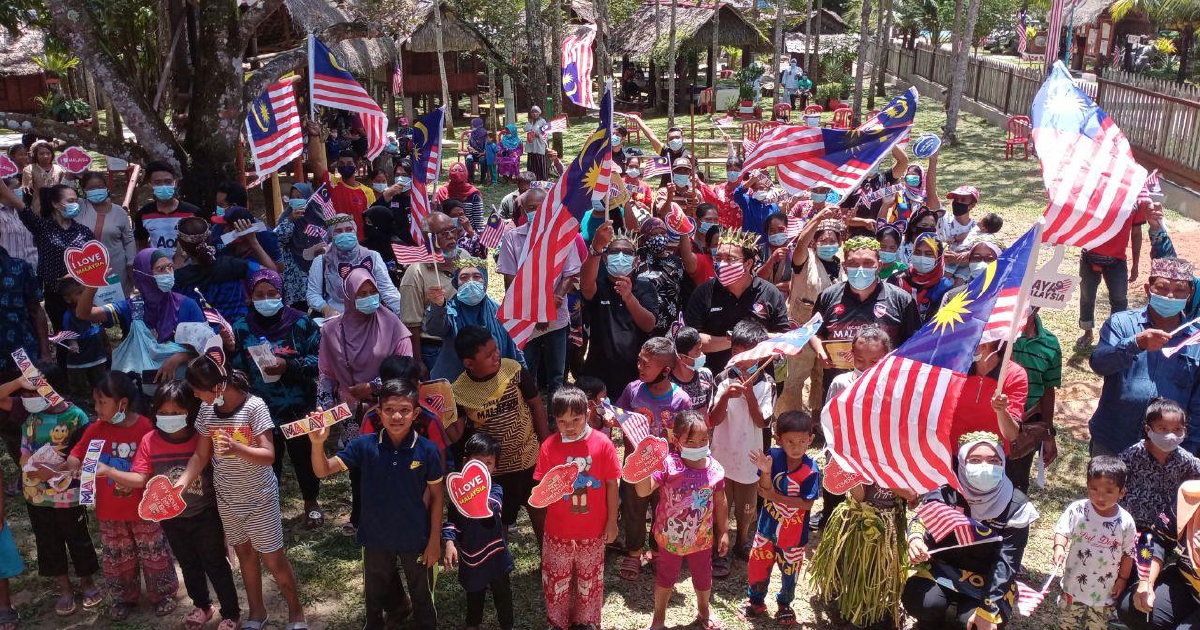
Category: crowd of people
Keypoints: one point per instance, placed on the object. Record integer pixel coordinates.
(649, 318)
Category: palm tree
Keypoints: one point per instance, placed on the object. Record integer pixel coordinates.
(864, 27)
(1178, 15)
(958, 78)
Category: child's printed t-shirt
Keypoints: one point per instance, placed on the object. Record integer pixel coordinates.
(801, 482)
(684, 521)
(734, 438)
(238, 481)
(115, 502)
(497, 407)
(659, 409)
(582, 514)
(60, 430)
(1096, 545)
(700, 389)
(158, 455)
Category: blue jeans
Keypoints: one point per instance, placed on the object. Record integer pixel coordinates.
(546, 357)
(1115, 273)
(472, 161)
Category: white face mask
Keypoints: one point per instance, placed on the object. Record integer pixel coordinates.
(582, 434)
(694, 454)
(984, 477)
(171, 424)
(1166, 442)
(35, 404)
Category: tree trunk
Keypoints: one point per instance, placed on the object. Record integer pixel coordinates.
(671, 59)
(808, 33)
(441, 58)
(1186, 39)
(216, 113)
(555, 69)
(714, 55)
(816, 71)
(603, 61)
(876, 56)
(864, 39)
(959, 76)
(780, 6)
(400, 96)
(655, 66)
(885, 43)
(537, 59)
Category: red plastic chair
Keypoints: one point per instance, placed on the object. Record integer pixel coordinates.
(463, 139)
(1019, 128)
(814, 109)
(635, 132)
(842, 118)
(783, 111)
(752, 130)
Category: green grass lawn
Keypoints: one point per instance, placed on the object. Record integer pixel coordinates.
(328, 564)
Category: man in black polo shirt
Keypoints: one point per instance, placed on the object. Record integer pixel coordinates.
(735, 294)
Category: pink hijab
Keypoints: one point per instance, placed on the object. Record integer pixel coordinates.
(353, 345)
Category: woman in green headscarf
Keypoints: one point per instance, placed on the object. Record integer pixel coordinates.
(508, 163)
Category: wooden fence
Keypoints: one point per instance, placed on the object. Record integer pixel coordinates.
(1161, 119)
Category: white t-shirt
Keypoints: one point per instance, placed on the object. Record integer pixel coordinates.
(538, 144)
(953, 233)
(1096, 545)
(734, 438)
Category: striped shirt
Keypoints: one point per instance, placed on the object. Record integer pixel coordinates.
(237, 481)
(15, 238)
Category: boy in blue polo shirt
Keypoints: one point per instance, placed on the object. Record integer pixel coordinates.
(397, 467)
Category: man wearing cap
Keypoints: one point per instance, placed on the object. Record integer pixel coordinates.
(535, 142)
(1108, 262)
(1130, 357)
(953, 229)
(754, 197)
(673, 149)
(508, 205)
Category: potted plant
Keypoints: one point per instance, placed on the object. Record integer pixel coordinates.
(73, 111)
(829, 95)
(55, 65)
(747, 77)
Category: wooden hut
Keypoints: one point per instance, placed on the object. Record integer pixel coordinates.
(695, 21)
(21, 80)
(461, 49)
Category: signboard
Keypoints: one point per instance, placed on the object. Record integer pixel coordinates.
(74, 160)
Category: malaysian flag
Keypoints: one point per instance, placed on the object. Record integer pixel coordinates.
(1153, 186)
(1192, 340)
(941, 520)
(892, 424)
(529, 299)
(1022, 35)
(62, 337)
(416, 254)
(1144, 555)
(806, 157)
(211, 314)
(315, 231)
(1028, 599)
(794, 225)
(397, 78)
(558, 125)
(331, 85)
(427, 149)
(634, 426)
(273, 129)
(1088, 168)
(577, 69)
(653, 167)
(322, 201)
(493, 231)
(1058, 9)
(790, 343)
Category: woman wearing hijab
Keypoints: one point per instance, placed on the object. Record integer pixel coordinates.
(925, 277)
(299, 247)
(470, 306)
(891, 239)
(920, 186)
(459, 187)
(509, 161)
(1169, 596)
(325, 274)
(353, 345)
(925, 220)
(476, 145)
(288, 385)
(979, 579)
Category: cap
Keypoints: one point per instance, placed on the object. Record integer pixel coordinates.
(965, 191)
(1171, 269)
(681, 163)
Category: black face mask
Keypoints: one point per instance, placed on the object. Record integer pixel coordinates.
(960, 208)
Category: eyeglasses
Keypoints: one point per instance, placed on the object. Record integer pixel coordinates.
(725, 260)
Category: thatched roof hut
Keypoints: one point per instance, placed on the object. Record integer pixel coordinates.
(363, 57)
(423, 38)
(20, 78)
(693, 30)
(580, 11)
(1088, 11)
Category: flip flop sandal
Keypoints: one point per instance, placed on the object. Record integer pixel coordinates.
(720, 567)
(9, 619)
(92, 598)
(165, 606)
(228, 624)
(120, 611)
(707, 624)
(631, 568)
(255, 625)
(65, 606)
(315, 519)
(198, 618)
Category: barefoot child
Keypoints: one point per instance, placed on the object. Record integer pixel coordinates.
(579, 525)
(693, 516)
(399, 468)
(196, 536)
(479, 546)
(130, 547)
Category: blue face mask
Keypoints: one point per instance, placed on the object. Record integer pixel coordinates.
(694, 454)
(778, 239)
(616, 141)
(633, 172)
(97, 195)
(705, 227)
(118, 417)
(367, 305)
(819, 197)
(923, 264)
(887, 257)
(860, 277)
(529, 216)
(345, 241)
(983, 477)
(732, 175)
(295, 203)
(405, 182)
(1167, 306)
(681, 181)
(976, 268)
(164, 193)
(619, 264)
(70, 210)
(912, 180)
(269, 307)
(698, 362)
(827, 252)
(378, 187)
(165, 281)
(471, 293)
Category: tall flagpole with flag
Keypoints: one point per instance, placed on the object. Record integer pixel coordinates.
(1018, 313)
(312, 106)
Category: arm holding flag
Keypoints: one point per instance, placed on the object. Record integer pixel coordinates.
(318, 162)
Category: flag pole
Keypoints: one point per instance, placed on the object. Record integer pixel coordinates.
(312, 106)
(1022, 301)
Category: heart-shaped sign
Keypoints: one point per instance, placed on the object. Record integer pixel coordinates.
(89, 264)
(469, 490)
(925, 146)
(679, 223)
(558, 482)
(74, 159)
(161, 500)
(8, 168)
(649, 457)
(838, 480)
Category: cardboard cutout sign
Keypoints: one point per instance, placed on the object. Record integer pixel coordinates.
(315, 421)
(88, 264)
(87, 472)
(558, 483)
(34, 375)
(74, 160)
(437, 397)
(161, 500)
(841, 352)
(8, 168)
(679, 223)
(1050, 288)
(469, 490)
(648, 458)
(926, 146)
(838, 480)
